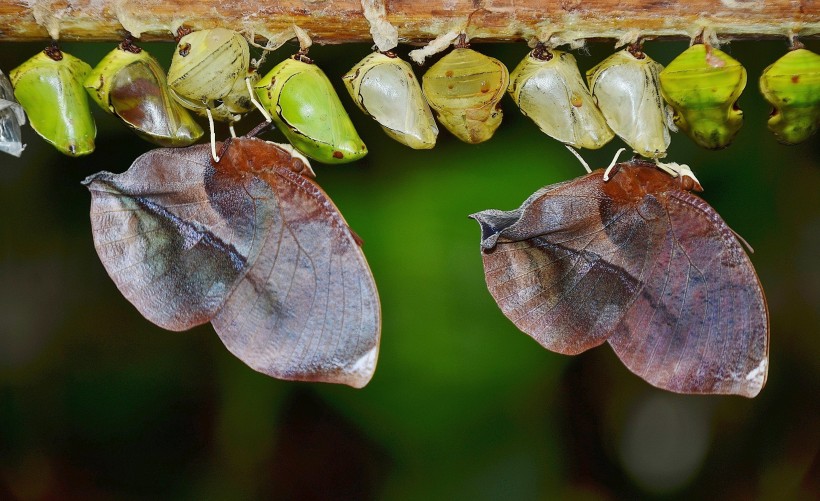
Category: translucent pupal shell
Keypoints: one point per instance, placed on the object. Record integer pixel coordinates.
(552, 93)
(53, 96)
(385, 88)
(307, 110)
(12, 117)
(207, 66)
(702, 85)
(792, 86)
(627, 91)
(464, 88)
(132, 86)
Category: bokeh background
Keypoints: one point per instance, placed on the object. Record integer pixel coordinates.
(97, 403)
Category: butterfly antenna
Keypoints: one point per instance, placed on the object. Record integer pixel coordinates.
(613, 163)
(213, 134)
(225, 145)
(259, 129)
(579, 157)
(743, 241)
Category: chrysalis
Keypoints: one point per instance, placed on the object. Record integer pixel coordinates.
(639, 262)
(129, 83)
(464, 89)
(384, 87)
(792, 86)
(306, 108)
(250, 244)
(12, 117)
(49, 86)
(548, 88)
(208, 71)
(625, 86)
(702, 85)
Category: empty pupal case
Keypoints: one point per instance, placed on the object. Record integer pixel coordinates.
(385, 87)
(548, 88)
(626, 88)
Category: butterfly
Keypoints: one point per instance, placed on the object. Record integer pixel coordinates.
(641, 263)
(249, 243)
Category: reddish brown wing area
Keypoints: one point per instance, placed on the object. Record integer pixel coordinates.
(248, 244)
(637, 261)
(700, 324)
(307, 309)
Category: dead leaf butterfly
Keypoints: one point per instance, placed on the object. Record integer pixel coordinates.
(251, 244)
(641, 263)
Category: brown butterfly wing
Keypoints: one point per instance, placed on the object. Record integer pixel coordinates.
(561, 268)
(307, 309)
(161, 236)
(700, 324)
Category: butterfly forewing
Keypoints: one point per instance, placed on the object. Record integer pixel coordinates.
(555, 271)
(165, 237)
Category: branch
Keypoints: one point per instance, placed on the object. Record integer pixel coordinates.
(340, 21)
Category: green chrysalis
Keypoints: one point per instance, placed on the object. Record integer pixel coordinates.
(49, 86)
(12, 117)
(384, 87)
(464, 88)
(792, 86)
(129, 83)
(702, 85)
(548, 88)
(308, 111)
(625, 86)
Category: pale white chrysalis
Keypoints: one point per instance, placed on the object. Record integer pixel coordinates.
(12, 117)
(548, 88)
(384, 87)
(626, 88)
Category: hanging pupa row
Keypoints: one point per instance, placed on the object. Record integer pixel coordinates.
(212, 75)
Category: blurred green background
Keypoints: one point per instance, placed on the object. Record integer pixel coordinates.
(97, 403)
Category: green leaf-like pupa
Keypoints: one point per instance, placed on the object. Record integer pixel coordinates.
(384, 87)
(702, 85)
(130, 83)
(306, 108)
(49, 86)
(626, 87)
(792, 86)
(464, 89)
(548, 88)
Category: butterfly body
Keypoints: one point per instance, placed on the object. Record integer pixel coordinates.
(638, 262)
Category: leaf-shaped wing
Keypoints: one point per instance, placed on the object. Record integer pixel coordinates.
(556, 266)
(175, 235)
(308, 308)
(700, 324)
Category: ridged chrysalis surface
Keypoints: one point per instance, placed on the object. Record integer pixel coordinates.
(702, 85)
(464, 89)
